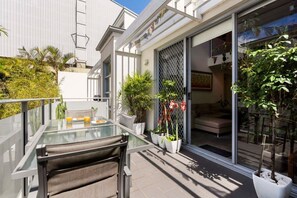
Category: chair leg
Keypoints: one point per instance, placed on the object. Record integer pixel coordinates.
(127, 180)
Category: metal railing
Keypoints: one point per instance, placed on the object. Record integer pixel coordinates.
(25, 110)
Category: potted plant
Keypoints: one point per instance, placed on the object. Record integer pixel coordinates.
(173, 142)
(167, 97)
(166, 94)
(60, 109)
(268, 79)
(136, 98)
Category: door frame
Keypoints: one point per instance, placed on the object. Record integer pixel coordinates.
(234, 79)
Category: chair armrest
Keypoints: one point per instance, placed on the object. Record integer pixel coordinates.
(127, 171)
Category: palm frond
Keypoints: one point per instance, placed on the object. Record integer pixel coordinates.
(40, 55)
(67, 57)
(3, 31)
(23, 53)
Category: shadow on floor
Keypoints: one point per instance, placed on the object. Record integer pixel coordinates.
(192, 175)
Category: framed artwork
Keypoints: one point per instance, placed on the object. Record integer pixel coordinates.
(201, 81)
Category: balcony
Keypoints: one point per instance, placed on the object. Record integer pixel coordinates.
(155, 172)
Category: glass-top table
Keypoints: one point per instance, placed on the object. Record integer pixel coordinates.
(28, 165)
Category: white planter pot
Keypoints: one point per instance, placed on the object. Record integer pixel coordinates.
(138, 128)
(154, 138)
(267, 189)
(161, 141)
(179, 143)
(171, 146)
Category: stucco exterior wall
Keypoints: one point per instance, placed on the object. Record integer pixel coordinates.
(128, 20)
(73, 85)
(148, 54)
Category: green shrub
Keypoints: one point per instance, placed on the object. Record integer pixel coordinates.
(136, 95)
(20, 79)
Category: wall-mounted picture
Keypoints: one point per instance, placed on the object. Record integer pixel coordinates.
(201, 81)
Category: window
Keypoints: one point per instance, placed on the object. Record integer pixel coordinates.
(106, 78)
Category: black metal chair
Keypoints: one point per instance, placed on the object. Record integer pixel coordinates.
(94, 168)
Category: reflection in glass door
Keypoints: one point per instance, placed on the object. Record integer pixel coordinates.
(255, 30)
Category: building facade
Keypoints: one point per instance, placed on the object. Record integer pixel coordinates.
(105, 77)
(201, 45)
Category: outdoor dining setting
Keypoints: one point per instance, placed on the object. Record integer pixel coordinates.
(80, 156)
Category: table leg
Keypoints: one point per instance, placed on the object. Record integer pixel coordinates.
(128, 181)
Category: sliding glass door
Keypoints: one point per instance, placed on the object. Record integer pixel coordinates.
(211, 79)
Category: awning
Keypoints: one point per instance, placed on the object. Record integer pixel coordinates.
(160, 16)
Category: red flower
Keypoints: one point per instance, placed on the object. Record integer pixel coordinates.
(183, 106)
(173, 105)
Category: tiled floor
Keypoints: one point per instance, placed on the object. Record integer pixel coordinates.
(158, 174)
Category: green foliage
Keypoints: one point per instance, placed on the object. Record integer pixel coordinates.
(158, 130)
(136, 95)
(3, 31)
(269, 76)
(60, 109)
(171, 138)
(24, 79)
(167, 92)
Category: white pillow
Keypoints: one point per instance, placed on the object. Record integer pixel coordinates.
(127, 120)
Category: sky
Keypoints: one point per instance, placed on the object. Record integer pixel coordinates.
(135, 5)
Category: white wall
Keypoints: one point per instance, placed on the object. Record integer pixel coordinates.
(100, 14)
(32, 23)
(73, 85)
(128, 20)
